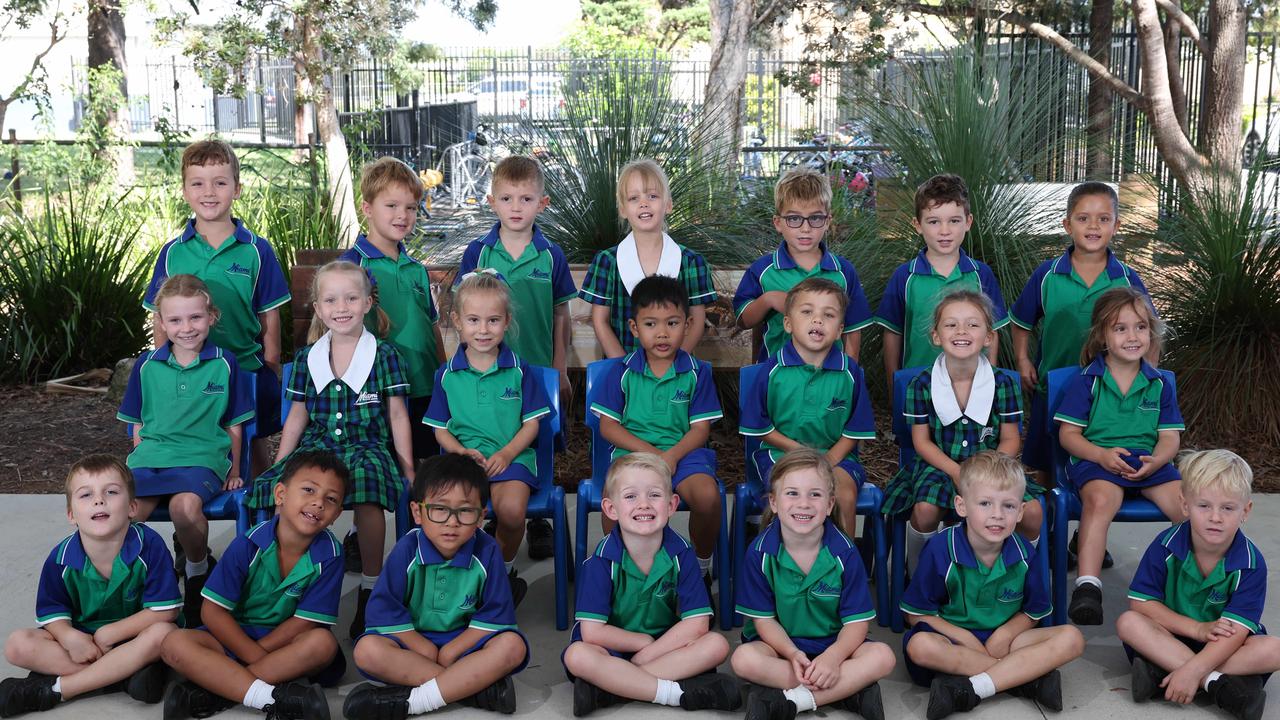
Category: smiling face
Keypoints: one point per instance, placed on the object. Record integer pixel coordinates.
(962, 331)
(801, 500)
(1215, 515)
(660, 330)
(99, 504)
(645, 205)
(483, 320)
(310, 501)
(943, 227)
(391, 215)
(210, 190)
(186, 321)
(1129, 335)
(641, 502)
(450, 535)
(814, 321)
(517, 204)
(806, 238)
(1092, 223)
(341, 302)
(992, 514)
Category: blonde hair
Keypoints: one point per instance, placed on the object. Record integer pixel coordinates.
(802, 459)
(651, 174)
(1105, 311)
(637, 461)
(96, 465)
(386, 172)
(210, 152)
(183, 285)
(973, 297)
(515, 169)
(994, 469)
(318, 329)
(801, 184)
(1221, 468)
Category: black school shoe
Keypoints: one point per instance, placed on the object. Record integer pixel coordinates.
(370, 702)
(867, 702)
(179, 557)
(147, 685)
(1145, 679)
(357, 620)
(1045, 690)
(1072, 552)
(191, 600)
(33, 693)
(587, 698)
(519, 588)
(949, 694)
(1086, 605)
(764, 703)
(711, 691)
(1240, 695)
(297, 701)
(541, 539)
(498, 697)
(184, 699)
(351, 554)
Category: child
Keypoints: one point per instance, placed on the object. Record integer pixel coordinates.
(541, 287)
(1062, 291)
(460, 646)
(271, 602)
(346, 389)
(643, 618)
(186, 400)
(1120, 422)
(967, 639)
(802, 199)
(1195, 605)
(243, 276)
(486, 404)
(661, 400)
(806, 603)
(956, 409)
(106, 600)
(815, 396)
(644, 200)
(942, 217)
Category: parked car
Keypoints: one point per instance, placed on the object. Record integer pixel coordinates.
(515, 96)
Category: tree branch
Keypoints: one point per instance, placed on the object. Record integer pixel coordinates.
(1174, 10)
(20, 92)
(767, 14)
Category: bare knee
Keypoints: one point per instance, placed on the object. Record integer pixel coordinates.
(715, 647)
(368, 651)
(700, 493)
(17, 649)
(925, 517)
(318, 642)
(579, 656)
(1071, 640)
(186, 509)
(510, 649)
(879, 656)
(152, 638)
(173, 647)
(744, 660)
(924, 648)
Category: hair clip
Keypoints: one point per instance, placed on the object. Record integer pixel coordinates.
(482, 271)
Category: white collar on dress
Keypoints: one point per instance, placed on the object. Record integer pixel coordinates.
(981, 395)
(629, 268)
(357, 373)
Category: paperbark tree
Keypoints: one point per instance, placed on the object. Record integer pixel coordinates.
(33, 85)
(109, 87)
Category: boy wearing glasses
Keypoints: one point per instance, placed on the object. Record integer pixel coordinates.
(441, 627)
(802, 199)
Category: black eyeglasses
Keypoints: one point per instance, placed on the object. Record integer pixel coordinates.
(815, 221)
(440, 514)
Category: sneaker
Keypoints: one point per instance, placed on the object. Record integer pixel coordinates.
(1240, 695)
(191, 599)
(369, 702)
(29, 694)
(949, 694)
(498, 697)
(297, 701)
(1045, 690)
(764, 703)
(1086, 605)
(147, 685)
(518, 588)
(588, 697)
(1107, 560)
(351, 554)
(541, 539)
(711, 691)
(357, 621)
(184, 699)
(1145, 679)
(866, 702)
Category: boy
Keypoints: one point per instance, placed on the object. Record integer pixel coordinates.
(661, 400)
(106, 600)
(461, 645)
(536, 271)
(643, 618)
(269, 606)
(942, 217)
(977, 597)
(815, 396)
(802, 199)
(1195, 604)
(644, 200)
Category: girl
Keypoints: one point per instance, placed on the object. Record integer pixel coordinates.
(186, 400)
(486, 403)
(805, 597)
(1120, 422)
(956, 409)
(345, 387)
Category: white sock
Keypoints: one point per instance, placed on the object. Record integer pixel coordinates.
(982, 685)
(259, 695)
(1213, 675)
(425, 698)
(704, 564)
(915, 543)
(1089, 579)
(196, 569)
(57, 684)
(368, 581)
(509, 565)
(802, 697)
(1035, 543)
(669, 692)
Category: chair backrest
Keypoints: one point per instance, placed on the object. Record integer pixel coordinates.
(601, 450)
(549, 426)
(750, 376)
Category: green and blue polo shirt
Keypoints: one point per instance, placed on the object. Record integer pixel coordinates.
(658, 410)
(1112, 419)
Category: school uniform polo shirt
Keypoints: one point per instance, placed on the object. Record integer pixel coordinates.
(813, 405)
(244, 278)
(658, 410)
(420, 589)
(485, 409)
(913, 293)
(539, 280)
(403, 289)
(1058, 294)
(1113, 419)
(613, 590)
(951, 584)
(246, 582)
(779, 272)
(813, 605)
(178, 408)
(72, 589)
(1236, 588)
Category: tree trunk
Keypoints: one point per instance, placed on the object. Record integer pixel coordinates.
(1175, 148)
(1172, 61)
(106, 37)
(337, 164)
(1219, 126)
(722, 109)
(1098, 160)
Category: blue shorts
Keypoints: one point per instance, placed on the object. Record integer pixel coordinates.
(923, 675)
(764, 465)
(328, 677)
(1037, 451)
(699, 461)
(440, 639)
(266, 403)
(516, 471)
(1084, 471)
(811, 647)
(153, 482)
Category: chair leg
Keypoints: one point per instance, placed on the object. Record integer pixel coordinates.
(724, 565)
(1059, 529)
(880, 570)
(580, 538)
(738, 539)
(560, 535)
(899, 572)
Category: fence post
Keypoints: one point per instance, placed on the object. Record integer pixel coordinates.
(173, 62)
(496, 87)
(528, 87)
(16, 183)
(262, 106)
(415, 129)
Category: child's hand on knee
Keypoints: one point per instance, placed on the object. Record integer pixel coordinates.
(1215, 630)
(234, 481)
(800, 666)
(823, 672)
(105, 639)
(999, 643)
(1180, 686)
(497, 463)
(1112, 460)
(475, 455)
(1146, 468)
(81, 647)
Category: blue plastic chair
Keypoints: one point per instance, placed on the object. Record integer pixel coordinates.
(591, 490)
(1067, 503)
(870, 498)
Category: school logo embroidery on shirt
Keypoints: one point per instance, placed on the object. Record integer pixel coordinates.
(468, 602)
(539, 274)
(131, 593)
(665, 588)
(419, 288)
(295, 590)
(367, 398)
(838, 404)
(237, 269)
(214, 389)
(1148, 405)
(987, 432)
(680, 396)
(822, 589)
(510, 393)
(1010, 595)
(1216, 596)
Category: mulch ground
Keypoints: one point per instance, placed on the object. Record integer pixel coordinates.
(42, 434)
